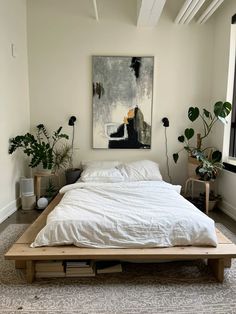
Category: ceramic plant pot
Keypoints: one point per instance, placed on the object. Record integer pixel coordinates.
(72, 175)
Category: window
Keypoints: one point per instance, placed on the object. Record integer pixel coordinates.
(232, 146)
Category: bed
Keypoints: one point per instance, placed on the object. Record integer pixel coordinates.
(141, 214)
(119, 219)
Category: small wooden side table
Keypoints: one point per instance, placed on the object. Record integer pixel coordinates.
(207, 189)
(37, 181)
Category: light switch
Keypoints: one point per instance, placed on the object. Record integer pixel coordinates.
(13, 50)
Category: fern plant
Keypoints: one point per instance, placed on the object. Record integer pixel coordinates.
(42, 148)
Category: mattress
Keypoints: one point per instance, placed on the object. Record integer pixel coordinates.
(141, 214)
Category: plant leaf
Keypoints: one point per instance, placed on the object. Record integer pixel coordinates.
(175, 157)
(216, 156)
(193, 113)
(181, 138)
(206, 113)
(222, 109)
(189, 133)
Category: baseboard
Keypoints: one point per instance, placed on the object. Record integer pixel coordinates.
(8, 210)
(228, 209)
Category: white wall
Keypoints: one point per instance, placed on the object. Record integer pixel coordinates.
(14, 100)
(222, 21)
(63, 35)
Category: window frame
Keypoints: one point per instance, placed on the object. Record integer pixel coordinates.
(232, 140)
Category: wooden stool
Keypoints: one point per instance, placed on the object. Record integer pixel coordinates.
(37, 181)
(207, 189)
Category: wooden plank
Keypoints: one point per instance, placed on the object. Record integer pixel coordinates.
(227, 262)
(193, 161)
(95, 9)
(20, 264)
(29, 235)
(30, 271)
(222, 238)
(24, 251)
(53, 203)
(217, 266)
(149, 12)
(37, 186)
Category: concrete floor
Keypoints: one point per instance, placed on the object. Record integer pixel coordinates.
(27, 217)
(221, 217)
(20, 217)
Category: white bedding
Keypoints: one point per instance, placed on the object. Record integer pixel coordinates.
(126, 215)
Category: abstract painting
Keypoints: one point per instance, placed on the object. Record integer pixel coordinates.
(122, 102)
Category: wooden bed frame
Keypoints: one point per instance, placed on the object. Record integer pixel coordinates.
(25, 257)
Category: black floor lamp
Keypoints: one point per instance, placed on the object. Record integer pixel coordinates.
(74, 173)
(166, 124)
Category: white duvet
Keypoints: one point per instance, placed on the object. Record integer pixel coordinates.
(126, 215)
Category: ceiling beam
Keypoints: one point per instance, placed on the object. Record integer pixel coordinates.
(149, 12)
(95, 10)
(209, 11)
(188, 11)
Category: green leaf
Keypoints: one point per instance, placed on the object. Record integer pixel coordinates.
(189, 133)
(193, 113)
(206, 113)
(181, 138)
(222, 109)
(216, 156)
(63, 136)
(175, 157)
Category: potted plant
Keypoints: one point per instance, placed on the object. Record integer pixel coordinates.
(206, 160)
(209, 166)
(43, 148)
(214, 199)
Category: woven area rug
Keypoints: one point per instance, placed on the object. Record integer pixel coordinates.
(176, 287)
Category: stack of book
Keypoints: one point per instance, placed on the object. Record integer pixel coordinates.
(48, 269)
(79, 268)
(75, 268)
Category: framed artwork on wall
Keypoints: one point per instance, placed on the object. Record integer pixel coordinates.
(122, 102)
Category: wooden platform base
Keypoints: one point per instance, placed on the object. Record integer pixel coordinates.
(25, 256)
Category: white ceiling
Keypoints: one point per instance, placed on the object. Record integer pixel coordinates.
(188, 11)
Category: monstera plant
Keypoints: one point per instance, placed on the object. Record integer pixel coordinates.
(209, 157)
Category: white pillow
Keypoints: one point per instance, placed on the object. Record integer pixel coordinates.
(143, 170)
(101, 175)
(100, 164)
